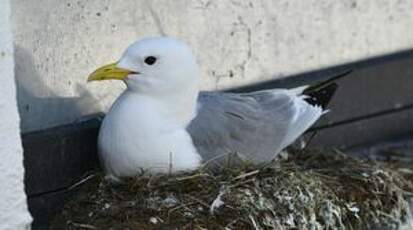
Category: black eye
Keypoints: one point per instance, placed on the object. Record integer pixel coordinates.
(150, 60)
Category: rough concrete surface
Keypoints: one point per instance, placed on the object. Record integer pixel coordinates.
(58, 43)
(13, 206)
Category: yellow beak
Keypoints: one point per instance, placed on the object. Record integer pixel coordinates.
(109, 72)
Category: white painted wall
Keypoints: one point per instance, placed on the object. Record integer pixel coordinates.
(13, 206)
(58, 43)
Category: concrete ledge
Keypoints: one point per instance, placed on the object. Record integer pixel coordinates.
(62, 147)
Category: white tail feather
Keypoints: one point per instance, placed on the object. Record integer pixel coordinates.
(306, 116)
(298, 90)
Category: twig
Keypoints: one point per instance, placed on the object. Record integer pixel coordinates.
(227, 227)
(241, 183)
(191, 177)
(170, 164)
(178, 207)
(254, 223)
(82, 181)
(213, 159)
(79, 225)
(197, 200)
(246, 174)
(309, 140)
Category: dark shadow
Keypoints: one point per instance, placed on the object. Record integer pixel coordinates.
(39, 105)
(57, 157)
(325, 73)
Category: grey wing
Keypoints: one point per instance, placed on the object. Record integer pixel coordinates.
(256, 125)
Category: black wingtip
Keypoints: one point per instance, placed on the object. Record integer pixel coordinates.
(322, 97)
(322, 84)
(320, 94)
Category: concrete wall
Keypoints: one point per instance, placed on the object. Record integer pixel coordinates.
(58, 43)
(13, 207)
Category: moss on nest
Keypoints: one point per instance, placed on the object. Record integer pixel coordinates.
(309, 190)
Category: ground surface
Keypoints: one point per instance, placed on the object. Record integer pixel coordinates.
(308, 190)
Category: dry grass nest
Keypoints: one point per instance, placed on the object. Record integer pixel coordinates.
(309, 190)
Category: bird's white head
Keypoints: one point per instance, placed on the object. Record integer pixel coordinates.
(160, 66)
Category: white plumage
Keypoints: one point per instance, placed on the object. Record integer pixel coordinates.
(161, 122)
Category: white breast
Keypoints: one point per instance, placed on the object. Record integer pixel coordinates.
(138, 133)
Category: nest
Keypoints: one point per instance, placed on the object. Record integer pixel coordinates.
(309, 190)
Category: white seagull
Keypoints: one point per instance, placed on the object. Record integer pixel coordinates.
(162, 123)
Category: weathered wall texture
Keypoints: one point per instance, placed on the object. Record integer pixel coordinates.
(237, 42)
(13, 207)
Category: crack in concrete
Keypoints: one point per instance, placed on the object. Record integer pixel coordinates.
(241, 67)
(217, 78)
(244, 64)
(203, 4)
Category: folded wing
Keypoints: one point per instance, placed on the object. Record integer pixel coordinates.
(256, 126)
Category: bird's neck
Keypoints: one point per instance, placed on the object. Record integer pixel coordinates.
(177, 108)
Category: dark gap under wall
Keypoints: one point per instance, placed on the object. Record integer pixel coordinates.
(374, 104)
